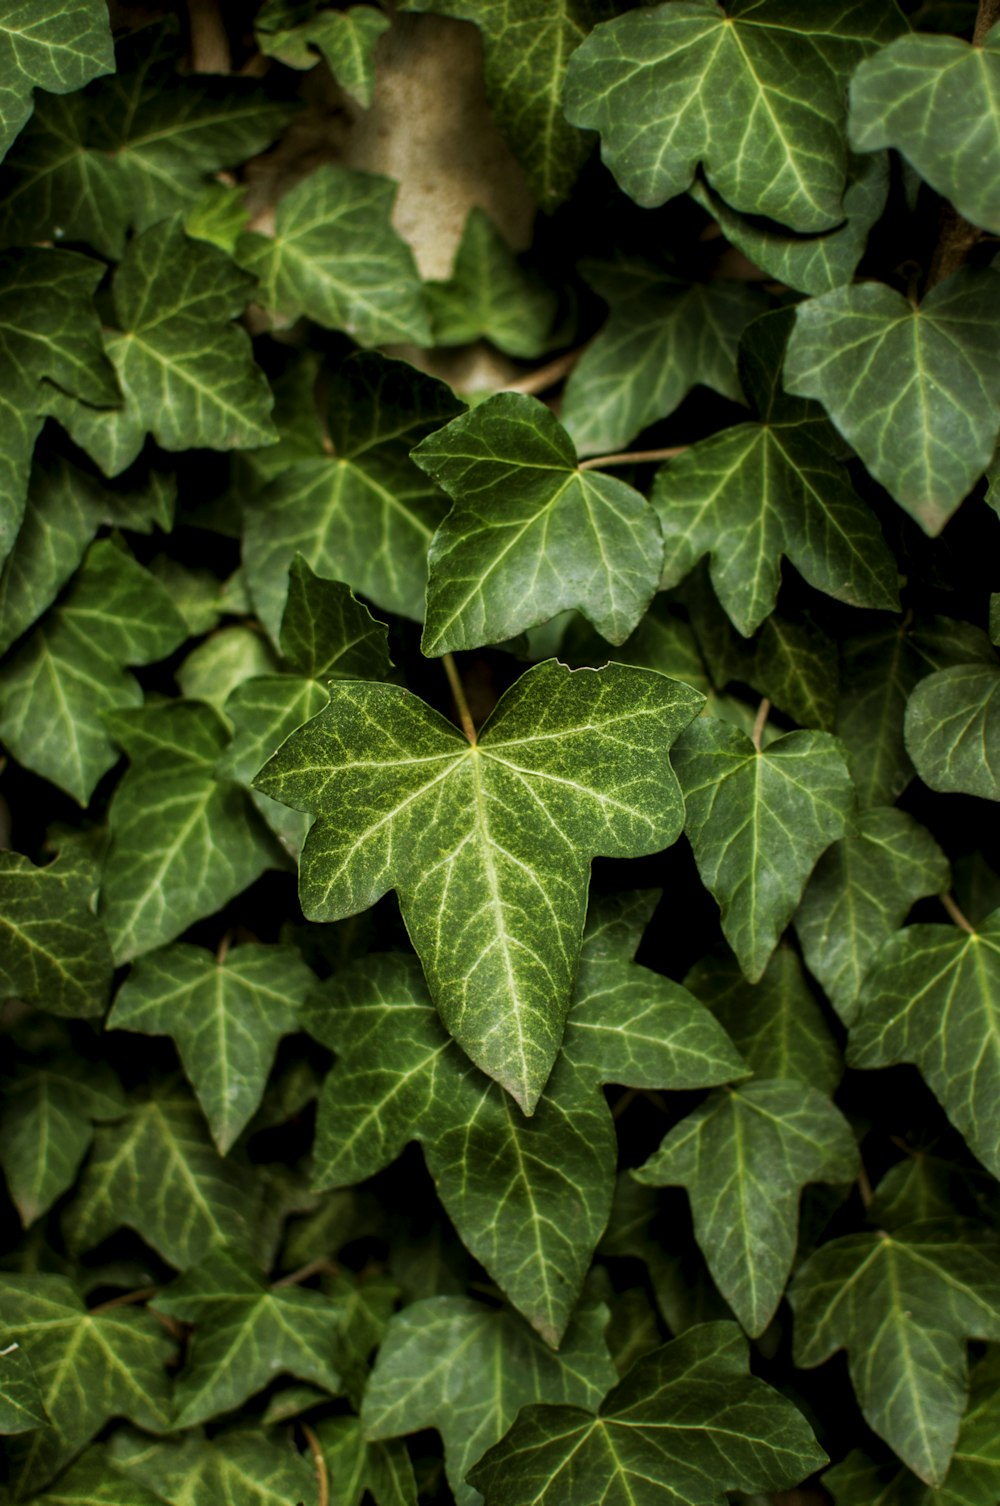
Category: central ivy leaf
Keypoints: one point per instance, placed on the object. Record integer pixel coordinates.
(902, 1305)
(58, 45)
(488, 844)
(530, 534)
(753, 493)
(650, 82)
(914, 389)
(54, 952)
(688, 1423)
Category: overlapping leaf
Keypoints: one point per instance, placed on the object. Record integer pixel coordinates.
(490, 296)
(524, 510)
(346, 39)
(952, 730)
(238, 1468)
(383, 1469)
(54, 46)
(55, 953)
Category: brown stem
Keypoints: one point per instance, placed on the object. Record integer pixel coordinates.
(209, 39)
(631, 457)
(760, 722)
(222, 950)
(458, 695)
(546, 376)
(323, 1266)
(989, 15)
(956, 238)
(956, 914)
(127, 1299)
(322, 1479)
(865, 1187)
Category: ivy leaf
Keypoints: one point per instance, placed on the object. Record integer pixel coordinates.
(914, 390)
(364, 514)
(249, 1467)
(51, 46)
(55, 953)
(524, 60)
(758, 820)
(662, 338)
(289, 30)
(158, 1172)
(417, 1383)
(46, 1129)
(245, 1333)
(187, 373)
(777, 149)
(182, 842)
(226, 1017)
(336, 258)
(21, 1406)
(55, 690)
(935, 100)
(861, 891)
(524, 510)
(490, 296)
(455, 828)
(688, 1421)
(94, 1481)
(933, 998)
(952, 730)
(902, 1305)
(753, 493)
(879, 670)
(355, 1465)
(90, 1367)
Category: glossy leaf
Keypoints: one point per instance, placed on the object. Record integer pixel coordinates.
(53, 46)
(952, 730)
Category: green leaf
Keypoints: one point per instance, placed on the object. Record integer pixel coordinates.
(754, 493)
(758, 820)
(915, 390)
(688, 1423)
(94, 1481)
(226, 1017)
(222, 662)
(355, 1465)
(662, 338)
(879, 670)
(777, 149)
(336, 258)
(21, 1406)
(48, 45)
(490, 296)
(90, 1367)
(952, 730)
(158, 1172)
(488, 845)
(182, 842)
(902, 1305)
(933, 998)
(289, 30)
(364, 514)
(744, 1156)
(45, 1126)
(187, 373)
(245, 1333)
(524, 510)
(55, 953)
(56, 689)
(417, 1384)
(245, 1468)
(861, 892)
(937, 100)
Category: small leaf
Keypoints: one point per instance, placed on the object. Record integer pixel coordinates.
(51, 45)
(55, 953)
(289, 30)
(952, 730)
(524, 511)
(490, 296)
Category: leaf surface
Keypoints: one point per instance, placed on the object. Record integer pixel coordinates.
(52, 45)
(290, 31)
(952, 730)
(490, 296)
(55, 953)
(21, 1406)
(237, 1468)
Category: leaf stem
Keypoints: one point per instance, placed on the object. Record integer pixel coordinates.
(760, 722)
(956, 914)
(322, 1479)
(458, 695)
(865, 1187)
(127, 1299)
(989, 14)
(632, 457)
(322, 1266)
(546, 376)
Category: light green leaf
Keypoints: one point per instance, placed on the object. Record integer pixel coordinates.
(354, 1465)
(662, 338)
(49, 45)
(186, 371)
(647, 81)
(937, 100)
(464, 1368)
(933, 998)
(902, 1305)
(182, 842)
(226, 1017)
(55, 953)
(490, 296)
(222, 662)
(55, 690)
(158, 1172)
(524, 511)
(754, 493)
(230, 1469)
(245, 1334)
(744, 1156)
(365, 513)
(336, 258)
(289, 30)
(860, 892)
(90, 1367)
(952, 730)
(21, 1406)
(45, 1126)
(488, 845)
(915, 390)
(688, 1423)
(758, 820)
